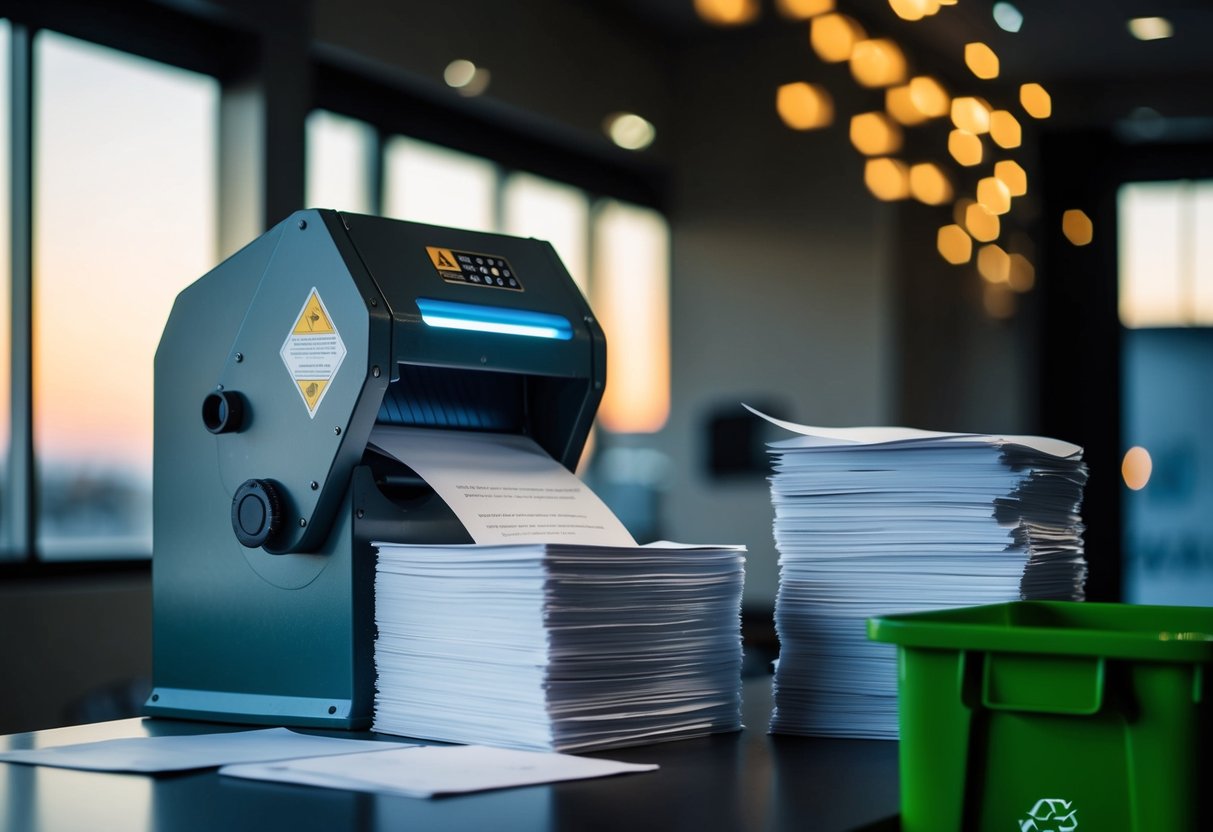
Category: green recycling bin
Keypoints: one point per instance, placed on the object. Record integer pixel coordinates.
(1053, 716)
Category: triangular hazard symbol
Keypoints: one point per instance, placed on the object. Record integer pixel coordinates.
(313, 320)
(312, 390)
(443, 259)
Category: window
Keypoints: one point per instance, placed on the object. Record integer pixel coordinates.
(631, 299)
(547, 210)
(339, 163)
(125, 215)
(430, 184)
(617, 253)
(1166, 253)
(1166, 305)
(5, 286)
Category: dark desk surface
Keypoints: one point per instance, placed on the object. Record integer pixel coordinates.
(745, 781)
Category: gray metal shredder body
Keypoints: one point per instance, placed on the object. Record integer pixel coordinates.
(282, 632)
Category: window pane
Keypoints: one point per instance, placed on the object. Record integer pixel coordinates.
(631, 289)
(1168, 529)
(1166, 253)
(547, 210)
(1202, 258)
(427, 183)
(338, 162)
(5, 286)
(1149, 252)
(124, 219)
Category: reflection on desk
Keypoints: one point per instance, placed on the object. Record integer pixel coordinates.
(746, 781)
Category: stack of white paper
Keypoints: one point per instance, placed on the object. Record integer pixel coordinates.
(871, 521)
(557, 647)
(554, 631)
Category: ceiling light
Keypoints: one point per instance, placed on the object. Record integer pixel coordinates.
(929, 96)
(971, 114)
(833, 37)
(1036, 101)
(727, 12)
(1013, 176)
(993, 264)
(804, 106)
(878, 63)
(994, 195)
(965, 147)
(1136, 467)
(929, 185)
(910, 9)
(1150, 28)
(887, 179)
(981, 60)
(804, 9)
(979, 222)
(1077, 227)
(954, 244)
(1005, 129)
(1008, 18)
(921, 99)
(464, 76)
(900, 105)
(630, 131)
(875, 134)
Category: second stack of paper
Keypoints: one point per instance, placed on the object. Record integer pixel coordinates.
(875, 521)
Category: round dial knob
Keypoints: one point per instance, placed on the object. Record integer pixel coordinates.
(256, 512)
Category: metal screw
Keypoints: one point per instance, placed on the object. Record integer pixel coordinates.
(360, 514)
(484, 359)
(589, 319)
(598, 385)
(337, 431)
(315, 485)
(302, 522)
(302, 224)
(239, 357)
(155, 697)
(332, 709)
(375, 371)
(374, 301)
(218, 386)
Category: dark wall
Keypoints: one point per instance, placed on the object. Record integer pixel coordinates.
(74, 649)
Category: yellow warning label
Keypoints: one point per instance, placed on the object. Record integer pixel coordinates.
(312, 389)
(444, 259)
(313, 320)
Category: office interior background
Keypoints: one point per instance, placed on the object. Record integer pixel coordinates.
(1016, 239)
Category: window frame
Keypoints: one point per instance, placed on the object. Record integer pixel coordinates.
(151, 32)
(234, 46)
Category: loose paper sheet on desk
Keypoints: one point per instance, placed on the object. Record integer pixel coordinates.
(870, 521)
(428, 771)
(365, 765)
(149, 755)
(555, 631)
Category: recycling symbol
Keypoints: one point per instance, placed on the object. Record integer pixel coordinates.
(1050, 814)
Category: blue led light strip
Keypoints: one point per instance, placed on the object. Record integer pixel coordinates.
(470, 316)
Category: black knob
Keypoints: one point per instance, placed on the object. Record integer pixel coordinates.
(223, 411)
(256, 512)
